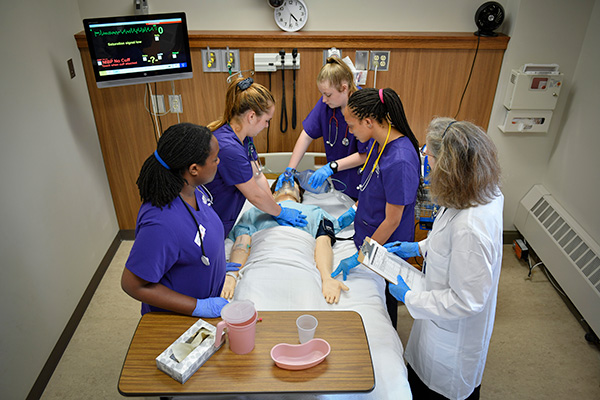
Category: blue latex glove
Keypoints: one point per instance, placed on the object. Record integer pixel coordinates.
(403, 249)
(209, 308)
(291, 217)
(316, 180)
(234, 267)
(287, 176)
(346, 265)
(346, 218)
(399, 290)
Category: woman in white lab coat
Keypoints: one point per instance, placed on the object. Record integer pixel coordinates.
(454, 315)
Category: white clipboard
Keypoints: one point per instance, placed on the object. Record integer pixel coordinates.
(389, 265)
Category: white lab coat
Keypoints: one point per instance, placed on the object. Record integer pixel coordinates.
(454, 316)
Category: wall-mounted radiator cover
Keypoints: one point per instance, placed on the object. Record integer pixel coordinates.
(569, 253)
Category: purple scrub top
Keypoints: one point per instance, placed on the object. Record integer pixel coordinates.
(165, 250)
(324, 122)
(235, 168)
(395, 181)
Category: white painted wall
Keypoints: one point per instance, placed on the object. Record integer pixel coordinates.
(549, 32)
(574, 166)
(57, 218)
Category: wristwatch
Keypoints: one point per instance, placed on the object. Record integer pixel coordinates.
(334, 166)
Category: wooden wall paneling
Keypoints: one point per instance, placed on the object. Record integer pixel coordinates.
(126, 139)
(427, 70)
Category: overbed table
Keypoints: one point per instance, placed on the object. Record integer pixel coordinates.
(348, 368)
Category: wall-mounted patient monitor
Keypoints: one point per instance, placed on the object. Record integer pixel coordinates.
(138, 49)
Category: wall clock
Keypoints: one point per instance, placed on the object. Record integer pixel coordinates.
(291, 15)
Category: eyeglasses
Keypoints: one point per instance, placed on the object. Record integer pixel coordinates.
(424, 153)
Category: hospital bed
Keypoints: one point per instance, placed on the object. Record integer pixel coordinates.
(280, 274)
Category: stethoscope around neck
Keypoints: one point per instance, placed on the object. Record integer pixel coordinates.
(204, 258)
(345, 140)
(251, 151)
(375, 168)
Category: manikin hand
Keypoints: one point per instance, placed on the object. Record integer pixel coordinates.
(229, 287)
(332, 289)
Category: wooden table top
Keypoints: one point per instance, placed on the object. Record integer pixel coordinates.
(348, 368)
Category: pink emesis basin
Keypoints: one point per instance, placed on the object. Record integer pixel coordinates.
(300, 356)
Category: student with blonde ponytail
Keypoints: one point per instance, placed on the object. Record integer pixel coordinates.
(249, 107)
(344, 152)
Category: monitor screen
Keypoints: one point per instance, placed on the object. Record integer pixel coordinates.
(137, 49)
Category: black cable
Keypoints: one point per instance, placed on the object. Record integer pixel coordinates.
(469, 79)
(283, 106)
(294, 55)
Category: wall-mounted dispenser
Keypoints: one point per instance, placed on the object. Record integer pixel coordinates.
(531, 96)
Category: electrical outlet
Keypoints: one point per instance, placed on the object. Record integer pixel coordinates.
(175, 103)
(158, 104)
(231, 57)
(380, 60)
(361, 60)
(211, 60)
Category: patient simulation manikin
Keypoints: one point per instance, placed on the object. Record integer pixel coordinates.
(320, 225)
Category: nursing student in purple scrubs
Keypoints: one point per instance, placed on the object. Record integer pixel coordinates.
(249, 107)
(390, 176)
(344, 152)
(177, 262)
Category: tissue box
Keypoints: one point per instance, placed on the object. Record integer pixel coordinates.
(181, 371)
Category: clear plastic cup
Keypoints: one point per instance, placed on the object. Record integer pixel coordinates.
(307, 325)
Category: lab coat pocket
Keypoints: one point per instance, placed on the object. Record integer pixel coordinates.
(436, 270)
(444, 354)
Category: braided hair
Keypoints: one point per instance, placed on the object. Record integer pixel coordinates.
(367, 103)
(161, 179)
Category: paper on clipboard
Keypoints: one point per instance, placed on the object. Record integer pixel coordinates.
(389, 265)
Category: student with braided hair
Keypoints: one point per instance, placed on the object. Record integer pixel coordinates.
(177, 262)
(390, 176)
(249, 107)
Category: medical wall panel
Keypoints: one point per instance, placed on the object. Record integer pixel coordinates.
(428, 70)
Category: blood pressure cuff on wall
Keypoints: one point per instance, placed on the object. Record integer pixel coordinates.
(326, 228)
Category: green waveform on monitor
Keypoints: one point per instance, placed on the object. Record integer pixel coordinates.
(128, 31)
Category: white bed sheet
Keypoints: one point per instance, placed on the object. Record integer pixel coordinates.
(280, 274)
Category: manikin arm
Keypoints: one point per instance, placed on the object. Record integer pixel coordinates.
(324, 259)
(239, 254)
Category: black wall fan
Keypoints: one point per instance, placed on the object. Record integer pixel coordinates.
(488, 17)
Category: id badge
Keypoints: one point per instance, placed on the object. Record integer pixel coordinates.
(201, 231)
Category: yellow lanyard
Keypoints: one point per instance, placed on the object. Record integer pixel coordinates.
(380, 153)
